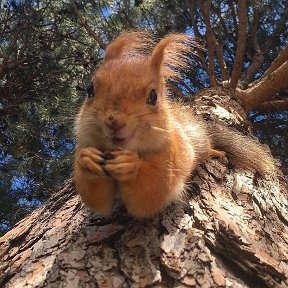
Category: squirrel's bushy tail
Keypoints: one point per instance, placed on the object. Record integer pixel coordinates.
(242, 151)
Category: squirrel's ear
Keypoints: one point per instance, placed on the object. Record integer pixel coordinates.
(129, 43)
(169, 55)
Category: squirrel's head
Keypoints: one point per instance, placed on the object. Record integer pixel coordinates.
(127, 106)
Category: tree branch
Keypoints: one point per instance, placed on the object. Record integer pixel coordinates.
(234, 17)
(272, 106)
(255, 65)
(128, 20)
(278, 30)
(228, 34)
(219, 51)
(240, 44)
(196, 33)
(258, 58)
(221, 61)
(209, 39)
(278, 61)
(191, 5)
(84, 24)
(264, 88)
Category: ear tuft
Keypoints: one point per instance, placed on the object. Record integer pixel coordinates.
(129, 43)
(171, 55)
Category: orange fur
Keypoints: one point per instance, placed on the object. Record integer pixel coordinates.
(126, 147)
(129, 43)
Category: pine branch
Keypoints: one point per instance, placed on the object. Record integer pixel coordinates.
(220, 57)
(228, 34)
(83, 23)
(272, 106)
(258, 58)
(265, 88)
(209, 39)
(191, 5)
(237, 67)
(200, 54)
(278, 61)
(255, 65)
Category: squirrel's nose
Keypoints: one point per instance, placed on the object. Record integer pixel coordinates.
(114, 122)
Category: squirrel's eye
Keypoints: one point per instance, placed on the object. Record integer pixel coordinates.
(152, 98)
(90, 91)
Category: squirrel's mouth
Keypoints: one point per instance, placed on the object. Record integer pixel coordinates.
(120, 141)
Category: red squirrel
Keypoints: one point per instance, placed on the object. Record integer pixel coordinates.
(133, 141)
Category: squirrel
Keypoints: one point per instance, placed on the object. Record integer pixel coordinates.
(136, 143)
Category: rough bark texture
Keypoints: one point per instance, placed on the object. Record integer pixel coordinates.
(230, 231)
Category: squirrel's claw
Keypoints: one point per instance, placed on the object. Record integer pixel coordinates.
(91, 159)
(124, 166)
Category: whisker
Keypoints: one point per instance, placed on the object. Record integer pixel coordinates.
(142, 115)
(174, 169)
(148, 113)
(95, 108)
(158, 129)
(139, 108)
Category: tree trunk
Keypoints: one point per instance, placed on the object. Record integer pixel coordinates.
(230, 231)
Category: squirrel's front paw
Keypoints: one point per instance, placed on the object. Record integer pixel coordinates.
(92, 159)
(123, 166)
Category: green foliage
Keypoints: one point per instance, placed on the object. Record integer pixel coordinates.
(46, 61)
(46, 58)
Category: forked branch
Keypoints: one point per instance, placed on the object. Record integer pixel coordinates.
(265, 88)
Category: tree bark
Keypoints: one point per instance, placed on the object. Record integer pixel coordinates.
(231, 230)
